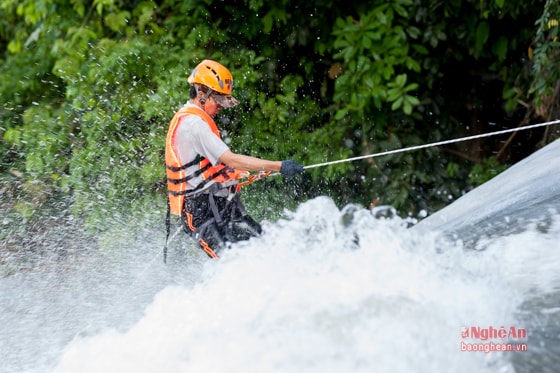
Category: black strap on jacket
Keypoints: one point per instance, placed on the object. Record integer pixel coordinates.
(167, 228)
(196, 160)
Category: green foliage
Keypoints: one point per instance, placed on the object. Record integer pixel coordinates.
(546, 62)
(375, 53)
(89, 87)
(482, 172)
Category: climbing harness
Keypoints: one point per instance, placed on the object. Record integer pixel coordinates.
(233, 204)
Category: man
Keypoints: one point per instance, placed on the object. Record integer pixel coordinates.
(203, 173)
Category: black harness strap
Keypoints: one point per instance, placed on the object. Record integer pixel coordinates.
(217, 213)
(196, 160)
(168, 229)
(239, 205)
(236, 206)
(188, 177)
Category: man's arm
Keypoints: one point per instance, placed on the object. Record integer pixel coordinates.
(248, 163)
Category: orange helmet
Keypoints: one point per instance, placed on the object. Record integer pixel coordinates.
(213, 75)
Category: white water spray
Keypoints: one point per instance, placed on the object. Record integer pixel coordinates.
(326, 291)
(322, 290)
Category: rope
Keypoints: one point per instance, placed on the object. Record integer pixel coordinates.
(445, 142)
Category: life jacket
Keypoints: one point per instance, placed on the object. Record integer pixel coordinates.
(177, 175)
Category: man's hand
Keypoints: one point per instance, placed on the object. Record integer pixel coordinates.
(290, 168)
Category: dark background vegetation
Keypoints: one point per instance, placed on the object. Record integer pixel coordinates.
(88, 88)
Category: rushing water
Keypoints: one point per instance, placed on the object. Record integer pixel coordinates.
(322, 290)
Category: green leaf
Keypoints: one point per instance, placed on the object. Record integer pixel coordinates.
(117, 21)
(501, 48)
(413, 101)
(482, 34)
(413, 31)
(397, 104)
(407, 108)
(366, 42)
(410, 87)
(401, 80)
(420, 49)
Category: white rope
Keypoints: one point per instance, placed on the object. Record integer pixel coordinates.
(435, 144)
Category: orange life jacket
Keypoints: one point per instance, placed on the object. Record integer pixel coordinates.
(177, 176)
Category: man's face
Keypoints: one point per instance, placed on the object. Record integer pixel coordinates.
(211, 107)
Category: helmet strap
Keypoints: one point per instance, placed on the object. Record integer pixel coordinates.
(202, 96)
